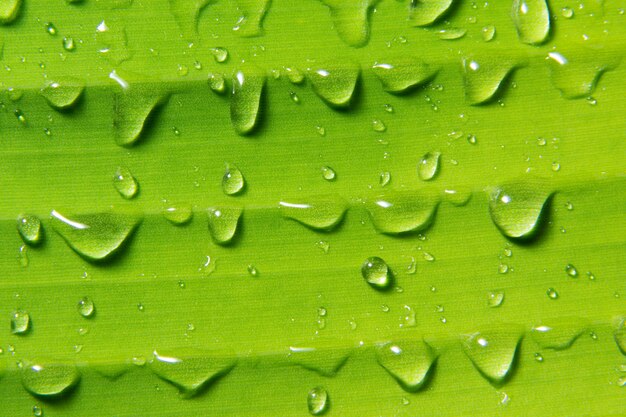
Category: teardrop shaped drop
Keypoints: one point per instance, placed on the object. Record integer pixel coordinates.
(403, 75)
(532, 20)
(125, 183)
(428, 166)
(223, 223)
(403, 212)
(233, 181)
(30, 229)
(493, 352)
(248, 84)
(516, 208)
(483, 77)
(426, 12)
(334, 82)
(63, 93)
(95, 236)
(186, 13)
(376, 272)
(321, 213)
(190, 370)
(43, 379)
(317, 401)
(351, 19)
(251, 14)
(325, 362)
(409, 363)
(559, 334)
(576, 77)
(178, 214)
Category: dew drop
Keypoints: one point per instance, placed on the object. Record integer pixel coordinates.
(378, 126)
(328, 173)
(251, 16)
(20, 322)
(125, 183)
(532, 20)
(223, 222)
(248, 85)
(322, 213)
(95, 236)
(384, 178)
(219, 54)
(37, 411)
(450, 34)
(49, 379)
(51, 29)
(233, 181)
(403, 75)
(376, 272)
(253, 271)
(552, 294)
(428, 166)
(317, 401)
(492, 352)
(69, 44)
(294, 75)
(29, 228)
(334, 82)
(186, 14)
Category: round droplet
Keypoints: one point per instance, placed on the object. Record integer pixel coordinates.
(217, 83)
(253, 271)
(317, 401)
(69, 44)
(571, 270)
(495, 299)
(294, 75)
(37, 411)
(551, 292)
(384, 178)
(232, 181)
(328, 173)
(219, 54)
(125, 183)
(63, 93)
(29, 228)
(488, 32)
(51, 29)
(178, 214)
(376, 272)
(20, 322)
(49, 380)
(428, 166)
(86, 307)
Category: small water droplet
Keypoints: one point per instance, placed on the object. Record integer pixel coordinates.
(384, 178)
(567, 12)
(20, 322)
(488, 32)
(318, 401)
(403, 213)
(219, 54)
(495, 298)
(20, 116)
(37, 411)
(294, 75)
(334, 82)
(492, 352)
(125, 183)
(178, 214)
(319, 213)
(320, 130)
(552, 293)
(69, 44)
(23, 256)
(233, 181)
(376, 272)
(29, 228)
(428, 166)
(248, 85)
(51, 29)
(452, 33)
(571, 270)
(223, 222)
(86, 307)
(253, 271)
(328, 173)
(323, 245)
(216, 82)
(294, 97)
(591, 276)
(378, 125)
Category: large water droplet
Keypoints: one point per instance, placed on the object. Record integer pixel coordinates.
(248, 84)
(576, 77)
(334, 82)
(63, 93)
(403, 213)
(532, 20)
(317, 401)
(29, 228)
(557, 334)
(190, 370)
(132, 107)
(409, 363)
(483, 77)
(125, 183)
(251, 16)
(20, 322)
(320, 213)
(325, 362)
(351, 19)
(493, 352)
(404, 74)
(425, 12)
(376, 272)
(223, 222)
(178, 214)
(186, 14)
(9, 10)
(232, 182)
(516, 208)
(428, 166)
(49, 379)
(95, 236)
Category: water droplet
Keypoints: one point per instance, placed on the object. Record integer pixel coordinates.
(20, 322)
(335, 82)
(328, 173)
(317, 401)
(112, 43)
(403, 213)
(591, 276)
(620, 336)
(350, 19)
(378, 125)
(189, 370)
(558, 335)
(20, 116)
(23, 256)
(49, 379)
(294, 75)
(516, 209)
(233, 182)
(538, 357)
(325, 362)
(253, 271)
(426, 12)
(571, 270)
(219, 54)
(404, 75)
(409, 318)
(376, 272)
(492, 352)
(428, 166)
(248, 85)
(495, 298)
(51, 29)
(483, 77)
(385, 178)
(223, 223)
(451, 34)
(186, 15)
(552, 293)
(37, 411)
(320, 130)
(458, 197)
(503, 269)
(9, 10)
(567, 12)
(86, 307)
(294, 97)
(251, 16)
(577, 76)
(69, 44)
(409, 363)
(95, 236)
(321, 213)
(178, 214)
(216, 82)
(488, 32)
(125, 183)
(532, 20)
(29, 228)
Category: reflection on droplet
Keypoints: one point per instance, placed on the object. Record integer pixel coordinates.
(428, 166)
(426, 12)
(178, 214)
(125, 183)
(484, 76)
